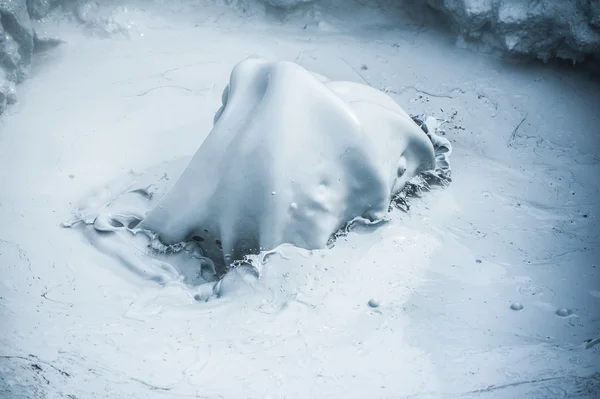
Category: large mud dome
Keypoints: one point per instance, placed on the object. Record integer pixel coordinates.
(292, 158)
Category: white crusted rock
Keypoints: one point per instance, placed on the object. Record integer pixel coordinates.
(545, 29)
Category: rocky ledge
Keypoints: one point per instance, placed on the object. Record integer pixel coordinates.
(544, 29)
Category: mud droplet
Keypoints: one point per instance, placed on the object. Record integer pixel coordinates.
(478, 260)
(516, 306)
(374, 303)
(564, 312)
(71, 176)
